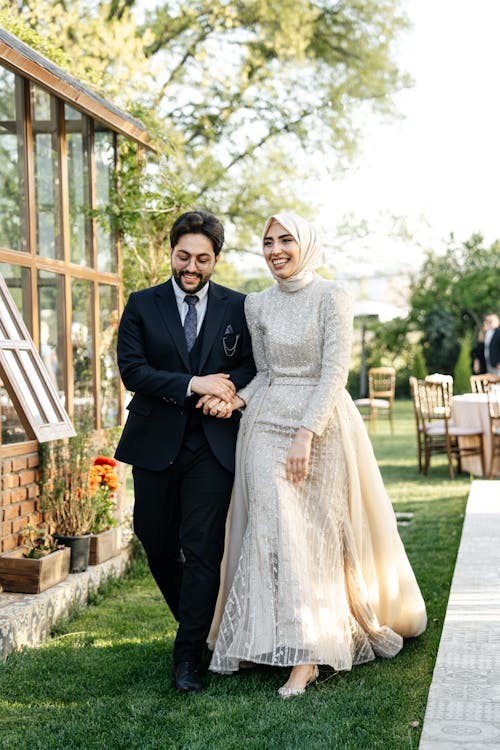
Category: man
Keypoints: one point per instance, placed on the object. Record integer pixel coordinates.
(492, 344)
(177, 342)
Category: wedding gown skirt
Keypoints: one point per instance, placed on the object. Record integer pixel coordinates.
(316, 571)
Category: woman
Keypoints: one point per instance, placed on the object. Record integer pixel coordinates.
(320, 575)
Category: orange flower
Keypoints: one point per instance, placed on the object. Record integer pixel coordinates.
(104, 461)
(103, 475)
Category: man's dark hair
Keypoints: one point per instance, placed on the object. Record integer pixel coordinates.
(198, 222)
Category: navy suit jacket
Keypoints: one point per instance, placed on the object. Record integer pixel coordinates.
(154, 364)
(495, 348)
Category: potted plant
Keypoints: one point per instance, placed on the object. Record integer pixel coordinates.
(103, 485)
(36, 566)
(66, 496)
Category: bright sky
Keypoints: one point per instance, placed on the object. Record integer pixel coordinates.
(440, 165)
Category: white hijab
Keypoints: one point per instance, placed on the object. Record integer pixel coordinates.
(310, 251)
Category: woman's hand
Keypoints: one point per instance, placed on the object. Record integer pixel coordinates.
(217, 385)
(297, 460)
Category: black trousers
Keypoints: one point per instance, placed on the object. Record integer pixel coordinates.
(179, 516)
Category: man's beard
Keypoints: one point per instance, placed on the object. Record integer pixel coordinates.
(202, 281)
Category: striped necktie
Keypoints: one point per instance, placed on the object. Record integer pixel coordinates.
(191, 320)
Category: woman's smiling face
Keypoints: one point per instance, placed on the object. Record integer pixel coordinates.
(281, 251)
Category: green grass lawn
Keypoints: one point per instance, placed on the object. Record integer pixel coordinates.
(103, 681)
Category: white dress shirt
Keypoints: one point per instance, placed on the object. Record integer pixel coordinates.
(201, 305)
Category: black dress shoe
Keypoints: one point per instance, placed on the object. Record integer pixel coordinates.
(187, 677)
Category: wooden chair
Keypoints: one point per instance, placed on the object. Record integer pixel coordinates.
(446, 380)
(483, 383)
(438, 432)
(430, 425)
(381, 389)
(437, 418)
(418, 423)
(494, 414)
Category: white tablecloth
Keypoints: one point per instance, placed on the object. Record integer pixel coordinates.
(471, 410)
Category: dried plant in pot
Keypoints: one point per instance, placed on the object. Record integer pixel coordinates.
(66, 496)
(35, 566)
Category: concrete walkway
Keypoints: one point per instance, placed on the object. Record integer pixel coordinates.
(463, 708)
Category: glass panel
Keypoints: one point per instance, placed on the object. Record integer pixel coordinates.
(10, 329)
(110, 378)
(12, 430)
(18, 376)
(47, 184)
(82, 336)
(33, 377)
(12, 234)
(17, 279)
(51, 321)
(104, 165)
(78, 185)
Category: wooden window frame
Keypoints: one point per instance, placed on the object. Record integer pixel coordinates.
(26, 379)
(31, 260)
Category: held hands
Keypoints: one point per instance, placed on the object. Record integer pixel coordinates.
(297, 460)
(218, 385)
(217, 407)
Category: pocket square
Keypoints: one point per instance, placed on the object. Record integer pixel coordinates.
(229, 329)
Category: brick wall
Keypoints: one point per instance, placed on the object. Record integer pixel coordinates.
(19, 503)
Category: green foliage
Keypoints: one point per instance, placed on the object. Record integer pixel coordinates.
(38, 542)
(143, 207)
(49, 46)
(64, 484)
(237, 95)
(462, 372)
(418, 368)
(450, 296)
(387, 344)
(440, 343)
(257, 283)
(77, 487)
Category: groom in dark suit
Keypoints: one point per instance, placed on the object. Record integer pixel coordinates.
(177, 342)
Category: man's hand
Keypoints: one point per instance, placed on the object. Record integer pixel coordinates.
(214, 385)
(297, 460)
(217, 407)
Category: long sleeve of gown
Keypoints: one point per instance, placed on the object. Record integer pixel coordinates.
(337, 324)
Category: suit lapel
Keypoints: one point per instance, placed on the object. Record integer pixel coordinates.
(167, 304)
(216, 308)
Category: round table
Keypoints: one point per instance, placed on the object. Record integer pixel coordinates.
(470, 410)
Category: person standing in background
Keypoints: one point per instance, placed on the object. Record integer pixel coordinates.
(492, 344)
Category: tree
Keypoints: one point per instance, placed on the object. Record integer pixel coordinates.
(450, 296)
(244, 92)
(462, 372)
(418, 368)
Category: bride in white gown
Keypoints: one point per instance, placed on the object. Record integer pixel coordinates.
(316, 572)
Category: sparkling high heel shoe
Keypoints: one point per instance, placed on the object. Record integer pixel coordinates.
(290, 692)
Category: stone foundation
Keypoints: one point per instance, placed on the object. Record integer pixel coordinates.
(27, 619)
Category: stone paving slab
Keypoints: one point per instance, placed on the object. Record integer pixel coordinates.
(26, 619)
(463, 708)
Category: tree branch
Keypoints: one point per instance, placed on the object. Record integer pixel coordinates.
(272, 132)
